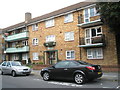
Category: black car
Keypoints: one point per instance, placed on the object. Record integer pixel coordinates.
(79, 71)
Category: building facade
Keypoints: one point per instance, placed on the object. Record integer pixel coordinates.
(71, 33)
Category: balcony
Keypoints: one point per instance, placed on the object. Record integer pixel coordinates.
(50, 44)
(98, 41)
(15, 37)
(17, 49)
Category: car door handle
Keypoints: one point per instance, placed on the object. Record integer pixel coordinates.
(66, 69)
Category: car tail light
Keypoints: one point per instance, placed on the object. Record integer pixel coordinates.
(91, 68)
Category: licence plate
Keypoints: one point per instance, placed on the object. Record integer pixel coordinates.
(99, 72)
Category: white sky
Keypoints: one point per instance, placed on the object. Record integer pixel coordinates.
(13, 11)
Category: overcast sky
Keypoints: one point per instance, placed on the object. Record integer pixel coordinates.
(13, 11)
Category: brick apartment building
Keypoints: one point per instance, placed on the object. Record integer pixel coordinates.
(71, 33)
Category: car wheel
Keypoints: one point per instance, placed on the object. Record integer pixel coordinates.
(46, 76)
(2, 73)
(13, 73)
(27, 74)
(79, 78)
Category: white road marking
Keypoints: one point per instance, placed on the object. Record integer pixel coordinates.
(65, 84)
(118, 87)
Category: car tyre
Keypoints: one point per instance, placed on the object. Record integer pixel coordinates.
(46, 76)
(13, 73)
(79, 78)
(2, 73)
(27, 74)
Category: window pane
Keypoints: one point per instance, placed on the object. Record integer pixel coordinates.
(93, 32)
(61, 65)
(92, 12)
(72, 55)
(86, 13)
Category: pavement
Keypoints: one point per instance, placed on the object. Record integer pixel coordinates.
(112, 76)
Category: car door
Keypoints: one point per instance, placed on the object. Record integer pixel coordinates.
(71, 69)
(3, 67)
(59, 69)
(8, 68)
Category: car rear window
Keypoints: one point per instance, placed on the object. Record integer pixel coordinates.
(83, 63)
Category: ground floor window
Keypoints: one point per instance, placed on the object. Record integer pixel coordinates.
(15, 57)
(35, 56)
(70, 55)
(25, 56)
(96, 53)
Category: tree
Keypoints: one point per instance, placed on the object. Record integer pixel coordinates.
(110, 15)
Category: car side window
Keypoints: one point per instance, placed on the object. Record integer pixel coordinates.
(61, 65)
(8, 64)
(4, 64)
(73, 64)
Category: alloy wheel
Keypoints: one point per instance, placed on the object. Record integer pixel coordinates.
(46, 76)
(79, 78)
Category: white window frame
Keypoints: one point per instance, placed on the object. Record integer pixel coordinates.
(50, 38)
(69, 36)
(25, 56)
(35, 27)
(90, 36)
(25, 43)
(89, 14)
(90, 53)
(49, 23)
(70, 56)
(35, 56)
(15, 57)
(68, 18)
(35, 41)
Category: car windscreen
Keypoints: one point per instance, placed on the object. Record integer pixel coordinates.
(15, 63)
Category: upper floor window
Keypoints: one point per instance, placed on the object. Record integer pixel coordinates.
(92, 32)
(35, 41)
(25, 43)
(69, 36)
(68, 18)
(50, 38)
(35, 27)
(49, 23)
(89, 12)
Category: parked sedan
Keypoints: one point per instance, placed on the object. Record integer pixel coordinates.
(78, 71)
(14, 68)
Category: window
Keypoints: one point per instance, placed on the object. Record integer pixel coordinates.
(50, 38)
(25, 56)
(25, 43)
(63, 64)
(95, 53)
(73, 64)
(92, 32)
(87, 19)
(70, 55)
(35, 41)
(69, 36)
(15, 57)
(89, 12)
(68, 18)
(4, 63)
(35, 27)
(49, 23)
(35, 56)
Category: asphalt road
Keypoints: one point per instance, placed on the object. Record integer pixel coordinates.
(35, 81)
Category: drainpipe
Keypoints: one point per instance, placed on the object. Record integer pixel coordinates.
(79, 21)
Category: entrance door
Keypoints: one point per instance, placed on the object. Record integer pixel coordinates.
(51, 57)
